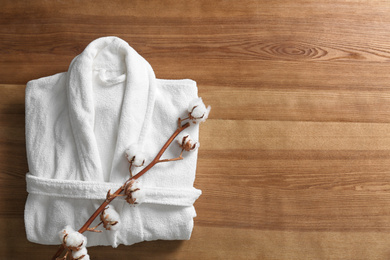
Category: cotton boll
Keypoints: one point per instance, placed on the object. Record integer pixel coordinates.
(194, 103)
(132, 151)
(197, 120)
(115, 227)
(186, 143)
(72, 239)
(197, 144)
(136, 186)
(139, 196)
(135, 155)
(139, 159)
(111, 218)
(111, 214)
(68, 229)
(198, 111)
(181, 136)
(131, 187)
(80, 253)
(76, 239)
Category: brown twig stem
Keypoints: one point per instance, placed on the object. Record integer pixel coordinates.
(173, 159)
(117, 192)
(93, 229)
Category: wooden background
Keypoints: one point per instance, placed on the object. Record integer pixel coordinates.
(294, 161)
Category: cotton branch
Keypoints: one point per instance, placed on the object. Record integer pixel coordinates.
(197, 112)
(103, 206)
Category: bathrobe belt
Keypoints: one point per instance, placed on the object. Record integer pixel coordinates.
(98, 190)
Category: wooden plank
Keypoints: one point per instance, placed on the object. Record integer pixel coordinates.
(287, 135)
(219, 242)
(294, 159)
(283, 32)
(319, 105)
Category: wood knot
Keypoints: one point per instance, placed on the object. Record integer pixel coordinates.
(294, 51)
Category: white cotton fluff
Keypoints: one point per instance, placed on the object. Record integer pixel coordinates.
(110, 214)
(82, 252)
(134, 153)
(198, 110)
(135, 186)
(74, 238)
(139, 196)
(197, 144)
(181, 136)
(188, 142)
(67, 230)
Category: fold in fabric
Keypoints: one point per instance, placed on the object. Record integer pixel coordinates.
(98, 190)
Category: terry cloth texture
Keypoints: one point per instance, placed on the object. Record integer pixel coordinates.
(79, 124)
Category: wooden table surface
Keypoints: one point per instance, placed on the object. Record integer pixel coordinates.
(294, 161)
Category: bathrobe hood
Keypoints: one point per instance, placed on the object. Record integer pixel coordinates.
(79, 124)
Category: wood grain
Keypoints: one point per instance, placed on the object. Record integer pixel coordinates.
(294, 160)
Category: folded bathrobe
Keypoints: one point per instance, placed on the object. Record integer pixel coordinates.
(79, 124)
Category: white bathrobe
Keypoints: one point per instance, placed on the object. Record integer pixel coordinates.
(79, 124)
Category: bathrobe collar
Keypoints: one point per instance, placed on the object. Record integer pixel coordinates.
(136, 111)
